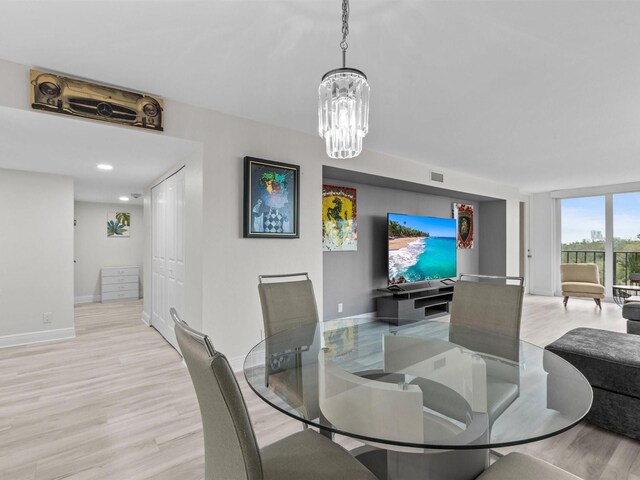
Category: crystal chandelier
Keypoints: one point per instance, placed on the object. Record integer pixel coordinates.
(343, 109)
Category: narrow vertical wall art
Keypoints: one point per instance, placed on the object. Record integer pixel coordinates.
(464, 224)
(339, 212)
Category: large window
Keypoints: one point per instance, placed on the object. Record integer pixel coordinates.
(604, 230)
(584, 231)
(626, 236)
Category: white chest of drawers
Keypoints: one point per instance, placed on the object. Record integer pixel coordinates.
(120, 283)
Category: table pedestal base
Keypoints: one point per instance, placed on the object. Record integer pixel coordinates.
(431, 465)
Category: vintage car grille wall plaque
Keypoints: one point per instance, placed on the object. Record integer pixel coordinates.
(55, 93)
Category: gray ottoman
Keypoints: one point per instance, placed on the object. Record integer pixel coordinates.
(631, 311)
(611, 363)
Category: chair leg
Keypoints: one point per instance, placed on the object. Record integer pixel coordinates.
(564, 302)
(598, 303)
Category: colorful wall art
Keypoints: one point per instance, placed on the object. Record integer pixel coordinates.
(118, 224)
(271, 199)
(339, 211)
(464, 224)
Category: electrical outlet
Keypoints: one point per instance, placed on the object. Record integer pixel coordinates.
(339, 308)
(47, 317)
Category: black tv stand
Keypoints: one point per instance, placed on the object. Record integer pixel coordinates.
(408, 287)
(415, 302)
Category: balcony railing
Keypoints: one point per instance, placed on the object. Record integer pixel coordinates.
(624, 263)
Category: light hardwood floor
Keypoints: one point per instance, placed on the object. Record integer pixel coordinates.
(117, 403)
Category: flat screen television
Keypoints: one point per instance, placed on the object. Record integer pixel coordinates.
(420, 248)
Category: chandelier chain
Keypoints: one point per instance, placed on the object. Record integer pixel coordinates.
(345, 25)
(343, 107)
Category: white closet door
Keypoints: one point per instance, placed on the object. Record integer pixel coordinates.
(158, 257)
(168, 253)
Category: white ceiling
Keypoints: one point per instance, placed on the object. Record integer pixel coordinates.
(46, 143)
(539, 94)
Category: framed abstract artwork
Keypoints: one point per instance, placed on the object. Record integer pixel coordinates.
(464, 224)
(271, 199)
(118, 224)
(339, 212)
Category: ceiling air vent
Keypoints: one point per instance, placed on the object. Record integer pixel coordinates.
(437, 177)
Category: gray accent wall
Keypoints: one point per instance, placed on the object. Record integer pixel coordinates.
(493, 234)
(351, 278)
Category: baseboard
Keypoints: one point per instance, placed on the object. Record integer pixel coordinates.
(543, 293)
(146, 319)
(92, 299)
(87, 299)
(362, 315)
(37, 337)
(236, 363)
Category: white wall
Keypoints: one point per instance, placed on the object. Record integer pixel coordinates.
(230, 264)
(94, 250)
(36, 257)
(542, 266)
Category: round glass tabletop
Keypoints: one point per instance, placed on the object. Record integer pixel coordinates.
(423, 384)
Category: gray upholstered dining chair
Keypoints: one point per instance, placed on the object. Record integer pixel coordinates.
(231, 450)
(491, 305)
(286, 304)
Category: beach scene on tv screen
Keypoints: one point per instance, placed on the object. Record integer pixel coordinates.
(421, 248)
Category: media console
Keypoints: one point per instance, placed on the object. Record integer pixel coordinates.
(414, 303)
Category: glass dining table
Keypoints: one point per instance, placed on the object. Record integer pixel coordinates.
(427, 399)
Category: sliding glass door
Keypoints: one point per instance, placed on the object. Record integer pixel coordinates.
(604, 230)
(626, 237)
(583, 232)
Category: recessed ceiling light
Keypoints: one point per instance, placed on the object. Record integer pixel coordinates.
(104, 166)
(124, 199)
